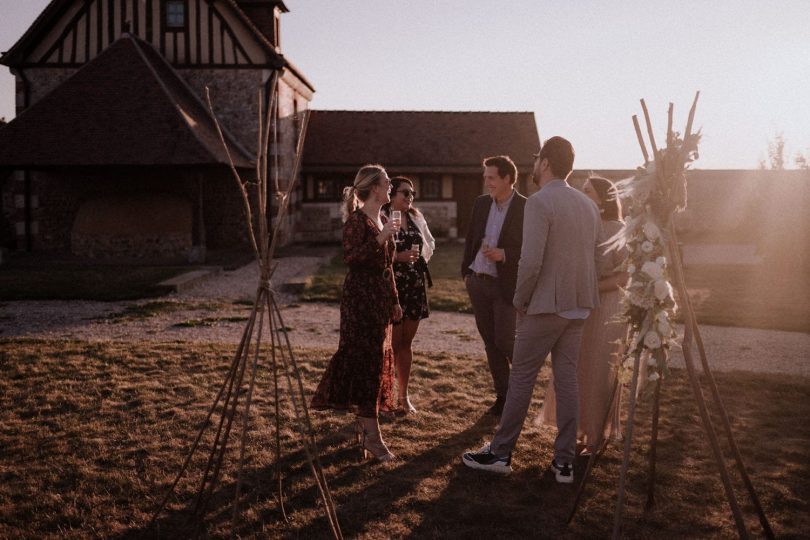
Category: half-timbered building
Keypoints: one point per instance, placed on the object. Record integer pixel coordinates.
(113, 150)
(441, 151)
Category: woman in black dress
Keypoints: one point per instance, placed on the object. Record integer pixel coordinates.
(359, 377)
(415, 245)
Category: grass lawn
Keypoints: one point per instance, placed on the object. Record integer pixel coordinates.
(745, 296)
(80, 282)
(92, 434)
(448, 292)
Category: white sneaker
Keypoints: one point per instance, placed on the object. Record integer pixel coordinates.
(485, 460)
(564, 474)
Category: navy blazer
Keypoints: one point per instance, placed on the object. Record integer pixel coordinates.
(510, 240)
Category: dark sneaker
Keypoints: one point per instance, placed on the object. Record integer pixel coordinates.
(485, 460)
(564, 474)
(497, 408)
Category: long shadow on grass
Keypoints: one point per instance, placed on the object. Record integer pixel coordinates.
(258, 489)
(369, 493)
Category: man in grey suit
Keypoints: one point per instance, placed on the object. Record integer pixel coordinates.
(555, 292)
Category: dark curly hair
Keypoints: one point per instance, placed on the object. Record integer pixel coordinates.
(611, 207)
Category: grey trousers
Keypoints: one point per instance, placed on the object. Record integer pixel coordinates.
(537, 336)
(495, 319)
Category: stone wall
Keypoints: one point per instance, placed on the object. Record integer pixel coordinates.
(224, 212)
(113, 227)
(440, 217)
(133, 247)
(319, 222)
(323, 222)
(43, 80)
(58, 197)
(234, 94)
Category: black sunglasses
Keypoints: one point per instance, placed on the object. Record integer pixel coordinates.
(407, 192)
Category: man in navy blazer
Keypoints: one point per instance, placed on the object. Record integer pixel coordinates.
(490, 266)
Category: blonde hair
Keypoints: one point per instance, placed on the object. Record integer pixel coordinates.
(366, 178)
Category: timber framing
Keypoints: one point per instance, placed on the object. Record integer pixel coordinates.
(217, 34)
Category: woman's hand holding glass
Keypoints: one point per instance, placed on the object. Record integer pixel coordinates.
(390, 228)
(408, 256)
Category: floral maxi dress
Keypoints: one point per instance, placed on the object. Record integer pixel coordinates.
(360, 375)
(410, 278)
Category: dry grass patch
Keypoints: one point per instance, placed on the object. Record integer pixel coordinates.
(91, 435)
(766, 296)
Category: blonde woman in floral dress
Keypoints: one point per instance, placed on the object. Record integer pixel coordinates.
(360, 375)
(595, 370)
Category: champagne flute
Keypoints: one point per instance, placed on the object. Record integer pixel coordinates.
(396, 217)
(416, 247)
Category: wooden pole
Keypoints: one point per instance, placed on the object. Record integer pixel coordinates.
(690, 121)
(628, 443)
(670, 135)
(595, 454)
(653, 447)
(650, 133)
(233, 383)
(246, 412)
(203, 426)
(279, 485)
(304, 423)
(640, 138)
(692, 322)
(696, 389)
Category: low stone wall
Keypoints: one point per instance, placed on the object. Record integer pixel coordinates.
(115, 227)
(441, 217)
(164, 246)
(323, 222)
(319, 222)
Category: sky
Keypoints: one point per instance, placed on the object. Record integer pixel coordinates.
(580, 66)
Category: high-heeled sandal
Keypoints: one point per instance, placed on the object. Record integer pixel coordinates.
(405, 407)
(369, 440)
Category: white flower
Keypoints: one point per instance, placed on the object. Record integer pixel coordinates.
(654, 376)
(651, 361)
(661, 261)
(664, 328)
(662, 289)
(662, 316)
(647, 246)
(631, 268)
(652, 340)
(651, 231)
(628, 362)
(640, 300)
(653, 270)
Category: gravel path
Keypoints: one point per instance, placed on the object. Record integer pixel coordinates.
(214, 312)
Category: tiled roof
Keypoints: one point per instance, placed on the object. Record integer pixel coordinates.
(126, 107)
(407, 139)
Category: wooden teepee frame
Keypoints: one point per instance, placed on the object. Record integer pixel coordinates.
(250, 349)
(691, 331)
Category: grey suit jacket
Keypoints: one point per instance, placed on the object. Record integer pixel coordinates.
(558, 264)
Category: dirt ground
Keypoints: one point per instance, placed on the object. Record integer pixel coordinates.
(214, 312)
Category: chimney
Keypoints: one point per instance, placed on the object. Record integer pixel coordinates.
(265, 15)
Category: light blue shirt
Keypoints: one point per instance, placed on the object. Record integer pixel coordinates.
(571, 314)
(492, 232)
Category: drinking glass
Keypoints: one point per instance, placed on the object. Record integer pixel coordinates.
(416, 247)
(396, 217)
